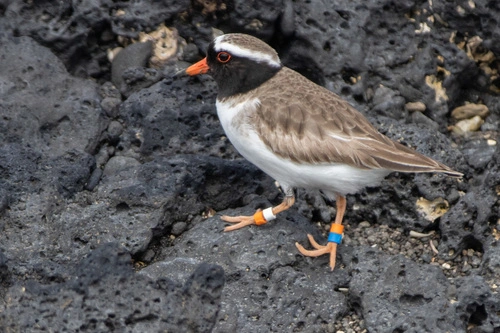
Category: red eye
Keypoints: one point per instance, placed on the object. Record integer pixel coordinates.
(223, 57)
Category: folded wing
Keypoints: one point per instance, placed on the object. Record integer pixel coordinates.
(326, 129)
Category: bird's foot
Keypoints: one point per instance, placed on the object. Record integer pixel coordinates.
(241, 221)
(331, 248)
(260, 217)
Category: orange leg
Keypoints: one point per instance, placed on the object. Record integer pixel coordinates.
(335, 229)
(259, 217)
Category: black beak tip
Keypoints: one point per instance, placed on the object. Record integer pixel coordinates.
(179, 74)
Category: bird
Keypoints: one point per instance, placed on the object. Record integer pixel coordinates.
(299, 133)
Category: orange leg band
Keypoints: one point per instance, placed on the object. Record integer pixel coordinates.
(259, 218)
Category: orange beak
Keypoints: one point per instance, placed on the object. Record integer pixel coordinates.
(201, 67)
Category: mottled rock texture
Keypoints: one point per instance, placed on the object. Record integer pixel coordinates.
(110, 197)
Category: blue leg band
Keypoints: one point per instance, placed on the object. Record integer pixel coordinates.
(334, 237)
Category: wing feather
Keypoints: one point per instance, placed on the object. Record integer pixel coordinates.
(314, 125)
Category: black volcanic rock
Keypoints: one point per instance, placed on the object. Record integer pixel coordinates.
(110, 200)
(104, 294)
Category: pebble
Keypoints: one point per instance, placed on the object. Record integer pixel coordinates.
(431, 210)
(475, 262)
(415, 106)
(178, 228)
(109, 90)
(364, 224)
(426, 258)
(94, 179)
(115, 129)
(191, 53)
(467, 125)
(351, 323)
(119, 163)
(468, 111)
(479, 153)
(420, 118)
(165, 44)
(396, 241)
(102, 157)
(110, 106)
(134, 55)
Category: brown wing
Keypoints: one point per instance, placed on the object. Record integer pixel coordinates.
(314, 125)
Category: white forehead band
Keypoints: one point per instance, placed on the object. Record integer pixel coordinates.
(237, 51)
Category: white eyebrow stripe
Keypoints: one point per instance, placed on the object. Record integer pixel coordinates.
(246, 53)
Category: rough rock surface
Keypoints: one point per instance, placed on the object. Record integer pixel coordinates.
(92, 298)
(110, 197)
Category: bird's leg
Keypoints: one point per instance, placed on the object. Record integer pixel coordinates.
(261, 216)
(334, 238)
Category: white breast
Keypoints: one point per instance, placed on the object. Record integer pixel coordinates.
(329, 177)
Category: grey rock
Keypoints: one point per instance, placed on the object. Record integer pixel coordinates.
(49, 130)
(469, 20)
(402, 295)
(261, 258)
(94, 179)
(256, 19)
(190, 53)
(118, 163)
(53, 118)
(479, 153)
(178, 228)
(491, 260)
(387, 102)
(462, 231)
(75, 28)
(72, 172)
(141, 15)
(104, 294)
(115, 129)
(477, 304)
(134, 55)
(132, 204)
(136, 78)
(173, 120)
(57, 206)
(422, 119)
(108, 90)
(287, 22)
(110, 106)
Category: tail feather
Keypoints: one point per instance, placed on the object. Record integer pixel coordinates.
(405, 159)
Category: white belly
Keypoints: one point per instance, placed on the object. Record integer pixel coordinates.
(329, 177)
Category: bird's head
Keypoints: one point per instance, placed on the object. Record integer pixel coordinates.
(238, 63)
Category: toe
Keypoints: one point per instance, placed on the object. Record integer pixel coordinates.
(330, 248)
(333, 256)
(231, 219)
(299, 247)
(313, 253)
(314, 243)
(241, 221)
